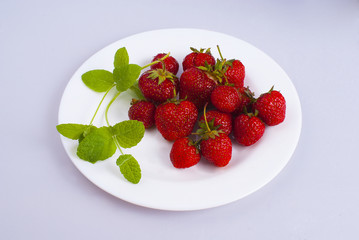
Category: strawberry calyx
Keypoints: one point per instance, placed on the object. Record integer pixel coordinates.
(207, 129)
(201, 50)
(162, 75)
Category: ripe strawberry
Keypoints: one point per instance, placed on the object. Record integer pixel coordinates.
(196, 86)
(247, 99)
(217, 149)
(198, 58)
(184, 154)
(143, 111)
(215, 146)
(220, 119)
(235, 74)
(271, 107)
(248, 129)
(158, 85)
(225, 98)
(176, 119)
(170, 62)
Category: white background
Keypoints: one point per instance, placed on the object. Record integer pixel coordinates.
(43, 196)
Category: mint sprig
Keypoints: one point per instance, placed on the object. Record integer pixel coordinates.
(100, 143)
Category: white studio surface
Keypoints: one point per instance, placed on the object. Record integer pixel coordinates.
(203, 186)
(309, 194)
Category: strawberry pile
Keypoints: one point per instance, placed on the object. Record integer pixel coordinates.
(206, 109)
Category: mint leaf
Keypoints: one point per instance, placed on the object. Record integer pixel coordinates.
(86, 132)
(98, 80)
(97, 145)
(121, 57)
(130, 168)
(71, 130)
(128, 133)
(126, 75)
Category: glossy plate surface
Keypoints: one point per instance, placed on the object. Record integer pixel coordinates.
(203, 186)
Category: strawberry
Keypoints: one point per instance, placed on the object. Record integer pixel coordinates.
(176, 119)
(247, 99)
(235, 74)
(225, 98)
(248, 129)
(196, 86)
(198, 58)
(158, 85)
(184, 153)
(220, 119)
(170, 62)
(215, 146)
(143, 111)
(271, 107)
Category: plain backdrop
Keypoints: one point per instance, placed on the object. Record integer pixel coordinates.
(43, 196)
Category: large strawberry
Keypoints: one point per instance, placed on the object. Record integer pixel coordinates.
(158, 85)
(143, 111)
(215, 145)
(271, 107)
(248, 129)
(176, 119)
(170, 62)
(198, 58)
(196, 86)
(225, 98)
(222, 120)
(184, 153)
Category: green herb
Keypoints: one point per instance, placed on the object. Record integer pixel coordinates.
(98, 144)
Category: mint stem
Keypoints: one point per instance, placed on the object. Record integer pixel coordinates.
(98, 107)
(157, 61)
(108, 106)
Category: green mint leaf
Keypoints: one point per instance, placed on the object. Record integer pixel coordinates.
(71, 130)
(121, 58)
(128, 133)
(97, 145)
(129, 168)
(125, 76)
(86, 132)
(98, 80)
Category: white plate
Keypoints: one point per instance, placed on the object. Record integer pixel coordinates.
(203, 186)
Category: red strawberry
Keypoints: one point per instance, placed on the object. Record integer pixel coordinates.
(184, 154)
(235, 74)
(198, 58)
(220, 119)
(215, 146)
(271, 107)
(170, 62)
(176, 119)
(247, 99)
(225, 98)
(248, 129)
(196, 86)
(143, 111)
(158, 85)
(217, 149)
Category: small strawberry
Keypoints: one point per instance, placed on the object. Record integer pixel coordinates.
(235, 74)
(225, 98)
(220, 119)
(184, 153)
(158, 85)
(196, 86)
(271, 107)
(198, 58)
(176, 119)
(144, 111)
(248, 129)
(215, 146)
(247, 99)
(170, 62)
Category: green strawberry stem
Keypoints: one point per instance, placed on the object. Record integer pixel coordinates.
(220, 54)
(157, 61)
(205, 117)
(98, 107)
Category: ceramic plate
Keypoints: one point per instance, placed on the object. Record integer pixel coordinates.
(203, 186)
